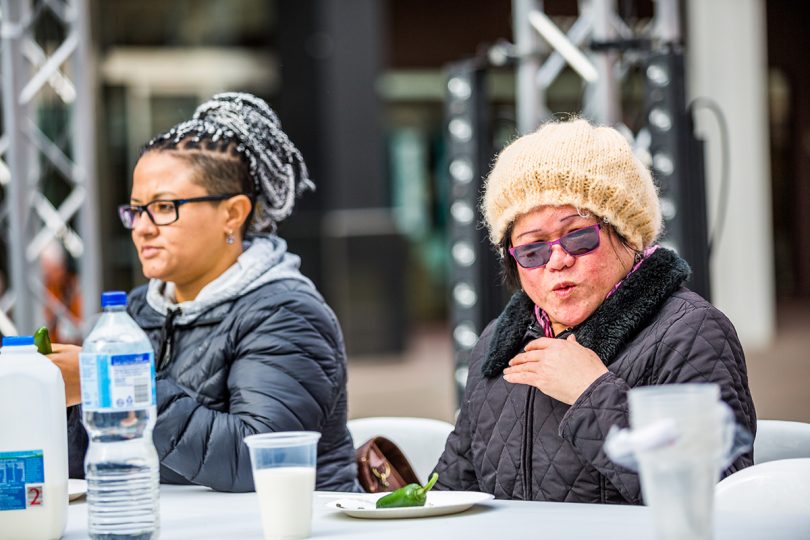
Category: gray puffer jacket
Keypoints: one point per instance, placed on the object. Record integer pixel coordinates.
(269, 359)
(515, 442)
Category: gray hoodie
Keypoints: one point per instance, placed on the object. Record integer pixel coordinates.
(264, 259)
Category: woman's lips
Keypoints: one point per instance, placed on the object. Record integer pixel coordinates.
(147, 252)
(563, 290)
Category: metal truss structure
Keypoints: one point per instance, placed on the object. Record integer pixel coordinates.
(47, 169)
(592, 47)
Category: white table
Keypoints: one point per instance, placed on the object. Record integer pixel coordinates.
(189, 512)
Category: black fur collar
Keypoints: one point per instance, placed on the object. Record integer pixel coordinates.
(613, 323)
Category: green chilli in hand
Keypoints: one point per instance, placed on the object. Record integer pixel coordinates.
(410, 495)
(42, 340)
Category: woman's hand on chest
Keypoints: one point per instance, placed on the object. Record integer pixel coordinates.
(560, 368)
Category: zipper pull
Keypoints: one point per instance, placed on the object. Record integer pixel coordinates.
(532, 333)
(565, 333)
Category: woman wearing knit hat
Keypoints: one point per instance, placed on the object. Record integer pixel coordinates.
(600, 309)
(244, 342)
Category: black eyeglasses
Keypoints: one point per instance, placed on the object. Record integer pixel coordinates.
(575, 243)
(163, 211)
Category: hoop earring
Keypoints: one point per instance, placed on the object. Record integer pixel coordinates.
(229, 239)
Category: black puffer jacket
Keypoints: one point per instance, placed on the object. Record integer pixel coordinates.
(270, 360)
(515, 442)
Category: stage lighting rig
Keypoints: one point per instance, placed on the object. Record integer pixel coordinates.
(677, 163)
(476, 296)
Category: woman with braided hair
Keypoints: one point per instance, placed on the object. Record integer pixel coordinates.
(244, 342)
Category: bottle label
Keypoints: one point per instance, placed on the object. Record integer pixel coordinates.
(117, 382)
(22, 478)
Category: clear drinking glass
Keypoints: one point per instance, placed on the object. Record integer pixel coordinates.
(678, 480)
(284, 475)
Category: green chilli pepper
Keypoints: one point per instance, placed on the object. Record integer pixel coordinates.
(410, 495)
(42, 340)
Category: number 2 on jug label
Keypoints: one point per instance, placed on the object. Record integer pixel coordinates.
(34, 496)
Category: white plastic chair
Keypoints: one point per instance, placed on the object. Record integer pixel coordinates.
(780, 486)
(779, 439)
(420, 439)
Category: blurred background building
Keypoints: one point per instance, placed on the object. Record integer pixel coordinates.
(362, 87)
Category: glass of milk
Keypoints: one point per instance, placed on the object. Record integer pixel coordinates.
(678, 479)
(284, 476)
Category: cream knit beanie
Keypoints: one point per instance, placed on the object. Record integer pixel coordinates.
(573, 163)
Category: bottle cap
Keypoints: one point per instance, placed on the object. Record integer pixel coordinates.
(17, 341)
(113, 298)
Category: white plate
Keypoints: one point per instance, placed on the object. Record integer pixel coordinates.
(438, 503)
(76, 488)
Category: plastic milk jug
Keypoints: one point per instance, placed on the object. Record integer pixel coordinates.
(33, 444)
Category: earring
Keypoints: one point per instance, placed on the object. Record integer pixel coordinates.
(229, 238)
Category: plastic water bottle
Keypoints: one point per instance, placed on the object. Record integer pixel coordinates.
(33, 444)
(117, 366)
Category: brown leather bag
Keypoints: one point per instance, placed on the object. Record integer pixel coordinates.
(381, 466)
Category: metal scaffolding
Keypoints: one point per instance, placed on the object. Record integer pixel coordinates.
(47, 71)
(535, 34)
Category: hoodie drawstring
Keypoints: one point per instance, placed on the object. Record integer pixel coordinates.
(166, 337)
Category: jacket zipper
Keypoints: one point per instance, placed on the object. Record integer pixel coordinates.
(528, 427)
(532, 332)
(528, 445)
(602, 489)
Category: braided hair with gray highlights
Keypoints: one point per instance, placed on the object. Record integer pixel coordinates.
(233, 131)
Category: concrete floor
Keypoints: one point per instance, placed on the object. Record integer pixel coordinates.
(779, 376)
(420, 381)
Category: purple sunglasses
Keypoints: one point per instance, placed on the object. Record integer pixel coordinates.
(575, 243)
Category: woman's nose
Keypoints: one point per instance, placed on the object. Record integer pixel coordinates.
(142, 224)
(560, 258)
